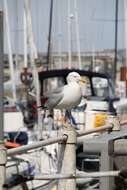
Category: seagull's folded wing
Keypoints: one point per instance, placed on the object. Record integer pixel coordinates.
(53, 98)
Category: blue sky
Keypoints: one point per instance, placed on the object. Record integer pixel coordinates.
(96, 24)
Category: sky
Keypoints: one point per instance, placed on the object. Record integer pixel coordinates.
(96, 24)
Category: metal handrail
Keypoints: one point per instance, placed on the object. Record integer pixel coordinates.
(49, 141)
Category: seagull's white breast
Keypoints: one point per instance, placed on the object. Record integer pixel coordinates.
(71, 96)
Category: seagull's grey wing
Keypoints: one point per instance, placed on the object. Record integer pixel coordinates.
(54, 91)
(53, 101)
(54, 98)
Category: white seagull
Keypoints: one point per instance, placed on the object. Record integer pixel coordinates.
(66, 97)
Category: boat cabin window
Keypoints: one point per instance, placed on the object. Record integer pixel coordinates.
(52, 83)
(100, 86)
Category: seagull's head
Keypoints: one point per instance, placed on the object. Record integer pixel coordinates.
(75, 77)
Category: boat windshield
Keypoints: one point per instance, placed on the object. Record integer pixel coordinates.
(100, 86)
(52, 83)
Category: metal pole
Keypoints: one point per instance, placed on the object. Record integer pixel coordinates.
(69, 160)
(50, 33)
(100, 129)
(33, 56)
(11, 65)
(77, 35)
(16, 36)
(116, 41)
(101, 174)
(106, 183)
(125, 35)
(78, 175)
(35, 145)
(69, 38)
(1, 76)
(2, 148)
(25, 40)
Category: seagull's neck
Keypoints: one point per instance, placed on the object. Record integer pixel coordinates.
(73, 83)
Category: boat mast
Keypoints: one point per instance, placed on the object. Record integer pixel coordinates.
(33, 56)
(49, 35)
(25, 40)
(69, 37)
(10, 51)
(125, 25)
(2, 147)
(123, 69)
(125, 16)
(16, 36)
(77, 34)
(93, 59)
(1, 76)
(116, 41)
(59, 39)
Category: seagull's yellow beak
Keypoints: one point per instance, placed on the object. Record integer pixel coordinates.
(83, 81)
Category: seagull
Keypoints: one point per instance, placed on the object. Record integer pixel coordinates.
(66, 97)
